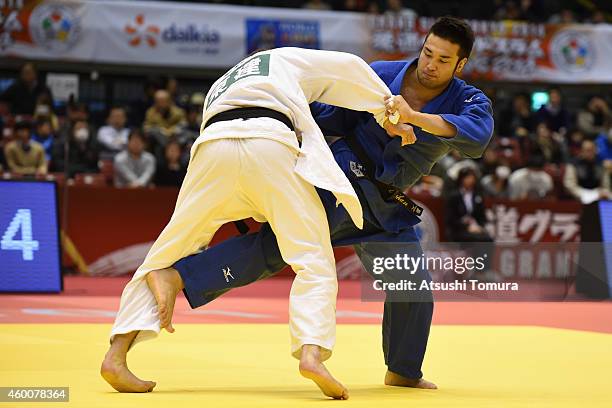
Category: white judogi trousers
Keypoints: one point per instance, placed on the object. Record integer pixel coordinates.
(231, 179)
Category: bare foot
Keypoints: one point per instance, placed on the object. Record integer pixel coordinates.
(114, 367)
(312, 368)
(399, 381)
(165, 285)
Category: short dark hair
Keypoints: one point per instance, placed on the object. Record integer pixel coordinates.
(137, 133)
(455, 30)
(465, 172)
(23, 124)
(43, 121)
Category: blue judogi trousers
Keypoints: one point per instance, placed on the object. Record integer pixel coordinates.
(255, 256)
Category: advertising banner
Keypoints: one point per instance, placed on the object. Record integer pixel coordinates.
(218, 36)
(507, 50)
(167, 34)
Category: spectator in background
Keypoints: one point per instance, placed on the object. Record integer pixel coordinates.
(496, 184)
(489, 163)
(395, 9)
(428, 184)
(3, 165)
(170, 172)
(45, 137)
(604, 149)
(598, 17)
(23, 93)
(465, 211)
(355, 5)
(23, 155)
(508, 11)
(595, 118)
(530, 182)
(75, 111)
(192, 127)
(554, 113)
(316, 5)
(138, 108)
(550, 144)
(83, 150)
(44, 111)
(172, 87)
(518, 119)
(455, 170)
(373, 7)
(134, 167)
(566, 16)
(585, 179)
(164, 119)
(114, 136)
(574, 142)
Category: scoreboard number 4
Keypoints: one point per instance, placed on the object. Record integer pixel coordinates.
(22, 220)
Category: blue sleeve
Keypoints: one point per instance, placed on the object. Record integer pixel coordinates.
(474, 124)
(604, 152)
(335, 121)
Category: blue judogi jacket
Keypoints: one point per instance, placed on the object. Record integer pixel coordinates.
(462, 105)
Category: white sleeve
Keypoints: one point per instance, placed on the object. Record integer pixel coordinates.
(105, 137)
(341, 79)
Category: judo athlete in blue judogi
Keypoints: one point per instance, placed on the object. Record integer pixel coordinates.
(445, 113)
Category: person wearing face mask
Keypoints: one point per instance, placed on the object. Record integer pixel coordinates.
(23, 155)
(44, 135)
(82, 151)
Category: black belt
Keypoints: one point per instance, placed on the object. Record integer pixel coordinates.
(250, 113)
(387, 191)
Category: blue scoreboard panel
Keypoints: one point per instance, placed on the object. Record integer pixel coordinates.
(29, 237)
(605, 214)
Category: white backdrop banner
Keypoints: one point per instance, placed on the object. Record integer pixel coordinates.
(168, 34)
(216, 36)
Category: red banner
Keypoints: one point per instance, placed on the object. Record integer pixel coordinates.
(112, 229)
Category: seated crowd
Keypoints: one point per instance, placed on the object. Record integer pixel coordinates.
(37, 143)
(551, 152)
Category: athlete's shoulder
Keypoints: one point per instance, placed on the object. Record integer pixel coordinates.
(466, 93)
(388, 69)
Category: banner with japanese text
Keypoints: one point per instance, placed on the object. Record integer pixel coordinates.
(214, 36)
(507, 50)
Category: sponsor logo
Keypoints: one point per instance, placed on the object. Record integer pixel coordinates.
(55, 27)
(187, 37)
(357, 169)
(572, 51)
(191, 34)
(227, 273)
(139, 32)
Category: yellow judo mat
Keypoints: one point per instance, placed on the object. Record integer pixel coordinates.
(248, 365)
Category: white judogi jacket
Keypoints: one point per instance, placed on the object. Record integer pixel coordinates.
(288, 80)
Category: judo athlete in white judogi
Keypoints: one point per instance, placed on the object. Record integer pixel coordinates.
(256, 167)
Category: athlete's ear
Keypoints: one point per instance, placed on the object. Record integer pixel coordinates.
(461, 65)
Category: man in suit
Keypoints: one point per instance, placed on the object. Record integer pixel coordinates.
(465, 212)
